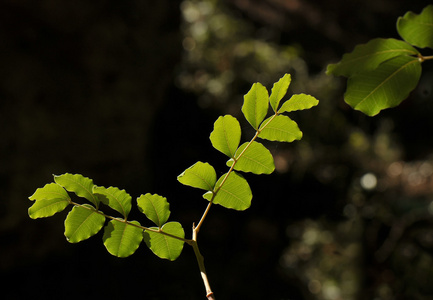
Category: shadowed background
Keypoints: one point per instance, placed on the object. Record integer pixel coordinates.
(126, 93)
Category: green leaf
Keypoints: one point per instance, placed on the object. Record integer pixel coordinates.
(298, 102)
(82, 223)
(200, 175)
(50, 199)
(226, 135)
(255, 105)
(118, 200)
(280, 128)
(385, 87)
(279, 90)
(369, 56)
(235, 193)
(165, 246)
(256, 159)
(122, 239)
(155, 207)
(417, 29)
(80, 185)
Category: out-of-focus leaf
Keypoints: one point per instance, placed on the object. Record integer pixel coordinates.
(369, 56)
(417, 29)
(384, 87)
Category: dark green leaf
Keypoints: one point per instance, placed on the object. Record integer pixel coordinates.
(417, 29)
(385, 87)
(369, 56)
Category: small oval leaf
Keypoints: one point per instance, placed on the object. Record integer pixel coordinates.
(280, 128)
(155, 207)
(200, 175)
(50, 199)
(82, 223)
(235, 193)
(164, 246)
(255, 105)
(226, 135)
(255, 159)
(115, 198)
(80, 185)
(279, 90)
(122, 239)
(298, 102)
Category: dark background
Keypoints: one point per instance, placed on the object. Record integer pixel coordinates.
(126, 93)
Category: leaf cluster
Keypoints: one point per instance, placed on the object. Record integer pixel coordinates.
(121, 237)
(382, 72)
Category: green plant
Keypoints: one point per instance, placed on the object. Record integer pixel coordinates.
(165, 239)
(382, 72)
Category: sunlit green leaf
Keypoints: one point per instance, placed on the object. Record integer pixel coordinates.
(226, 135)
(279, 90)
(385, 87)
(256, 159)
(165, 246)
(122, 239)
(155, 207)
(50, 199)
(417, 29)
(82, 223)
(118, 200)
(200, 175)
(235, 193)
(80, 185)
(280, 128)
(256, 103)
(298, 102)
(369, 56)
